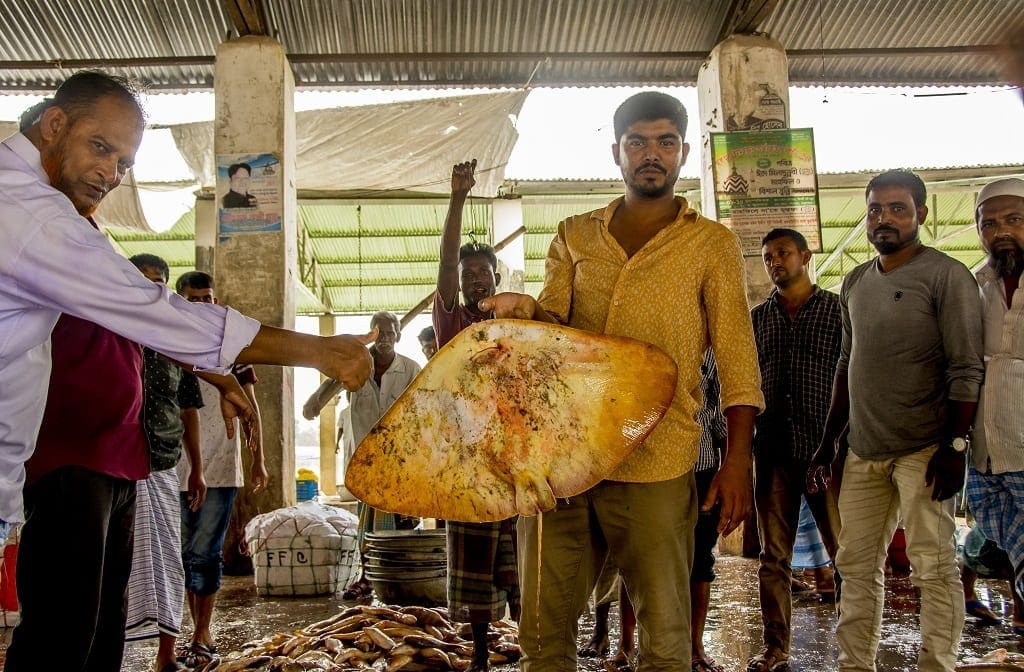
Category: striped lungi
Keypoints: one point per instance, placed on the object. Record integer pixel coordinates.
(808, 550)
(997, 503)
(482, 574)
(156, 586)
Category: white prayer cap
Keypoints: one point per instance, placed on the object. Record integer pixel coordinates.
(1009, 186)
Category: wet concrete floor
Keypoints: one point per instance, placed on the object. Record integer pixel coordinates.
(733, 630)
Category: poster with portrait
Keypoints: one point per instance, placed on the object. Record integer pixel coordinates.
(766, 180)
(248, 194)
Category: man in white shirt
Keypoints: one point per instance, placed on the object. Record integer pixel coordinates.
(203, 528)
(73, 149)
(392, 373)
(995, 482)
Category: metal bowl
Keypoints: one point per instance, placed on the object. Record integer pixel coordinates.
(423, 593)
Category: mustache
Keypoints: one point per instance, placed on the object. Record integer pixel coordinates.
(886, 227)
(653, 165)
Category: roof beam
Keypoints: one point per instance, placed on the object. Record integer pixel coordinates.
(488, 56)
(745, 17)
(248, 16)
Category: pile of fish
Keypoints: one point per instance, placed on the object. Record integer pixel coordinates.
(386, 639)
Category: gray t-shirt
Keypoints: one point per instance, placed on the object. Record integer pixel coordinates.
(912, 339)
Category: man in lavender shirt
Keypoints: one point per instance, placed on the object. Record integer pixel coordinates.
(73, 149)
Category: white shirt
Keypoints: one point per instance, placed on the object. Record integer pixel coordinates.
(998, 439)
(370, 402)
(222, 457)
(52, 261)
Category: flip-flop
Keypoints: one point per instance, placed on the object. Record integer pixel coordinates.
(594, 649)
(173, 667)
(198, 654)
(981, 611)
(617, 664)
(359, 590)
(705, 665)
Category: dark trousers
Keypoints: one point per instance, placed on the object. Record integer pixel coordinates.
(705, 533)
(778, 484)
(73, 565)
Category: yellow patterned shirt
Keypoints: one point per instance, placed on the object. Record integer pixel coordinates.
(683, 291)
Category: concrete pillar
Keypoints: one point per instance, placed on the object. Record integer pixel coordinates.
(329, 427)
(507, 214)
(743, 85)
(255, 252)
(206, 232)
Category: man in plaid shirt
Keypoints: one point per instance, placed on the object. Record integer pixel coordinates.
(798, 331)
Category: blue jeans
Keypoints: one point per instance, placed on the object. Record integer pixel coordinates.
(202, 537)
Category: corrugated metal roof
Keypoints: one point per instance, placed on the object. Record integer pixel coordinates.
(472, 43)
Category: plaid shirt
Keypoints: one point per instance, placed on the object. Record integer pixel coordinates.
(710, 416)
(798, 364)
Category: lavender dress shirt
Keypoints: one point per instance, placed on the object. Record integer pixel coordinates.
(53, 261)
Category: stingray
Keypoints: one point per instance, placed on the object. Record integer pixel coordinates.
(509, 416)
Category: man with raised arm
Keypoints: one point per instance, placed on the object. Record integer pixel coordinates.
(482, 578)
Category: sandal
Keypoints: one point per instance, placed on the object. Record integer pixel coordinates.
(980, 611)
(595, 648)
(618, 663)
(173, 667)
(769, 660)
(798, 586)
(359, 590)
(706, 664)
(198, 654)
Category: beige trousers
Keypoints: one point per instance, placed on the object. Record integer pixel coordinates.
(874, 494)
(647, 529)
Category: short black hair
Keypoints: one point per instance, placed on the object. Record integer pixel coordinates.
(235, 167)
(142, 261)
(473, 249)
(900, 178)
(649, 106)
(193, 280)
(382, 315)
(794, 235)
(80, 92)
(427, 335)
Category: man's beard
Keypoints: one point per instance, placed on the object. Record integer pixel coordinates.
(891, 246)
(887, 246)
(652, 191)
(648, 190)
(1008, 262)
(53, 164)
(782, 280)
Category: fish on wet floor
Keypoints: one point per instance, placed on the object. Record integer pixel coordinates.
(376, 639)
(999, 660)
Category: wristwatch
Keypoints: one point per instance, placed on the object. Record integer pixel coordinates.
(959, 444)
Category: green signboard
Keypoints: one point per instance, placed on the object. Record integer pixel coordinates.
(766, 180)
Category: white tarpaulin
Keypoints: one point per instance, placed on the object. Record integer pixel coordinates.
(397, 146)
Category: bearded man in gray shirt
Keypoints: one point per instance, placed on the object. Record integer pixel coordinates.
(907, 382)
